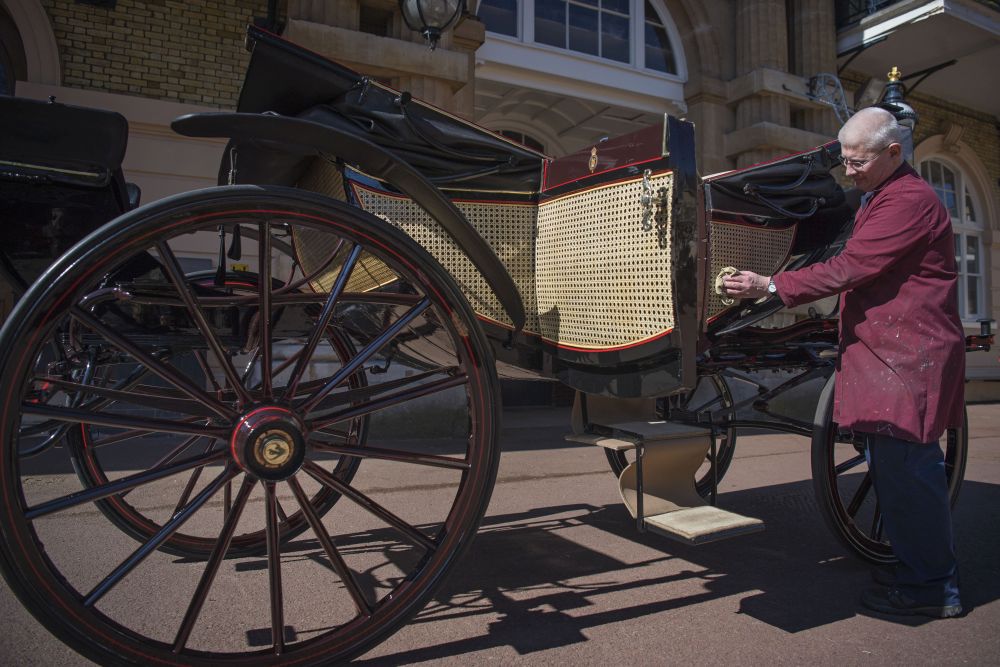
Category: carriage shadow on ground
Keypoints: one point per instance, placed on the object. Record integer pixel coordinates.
(794, 576)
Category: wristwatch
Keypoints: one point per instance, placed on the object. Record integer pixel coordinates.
(771, 289)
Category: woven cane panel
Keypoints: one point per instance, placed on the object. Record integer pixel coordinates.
(507, 227)
(746, 247)
(313, 247)
(602, 280)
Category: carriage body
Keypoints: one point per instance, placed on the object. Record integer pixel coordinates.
(607, 257)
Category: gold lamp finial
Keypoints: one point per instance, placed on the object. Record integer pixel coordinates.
(894, 74)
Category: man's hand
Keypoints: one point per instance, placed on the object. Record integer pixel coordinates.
(746, 285)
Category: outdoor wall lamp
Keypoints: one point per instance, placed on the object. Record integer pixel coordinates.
(893, 101)
(431, 17)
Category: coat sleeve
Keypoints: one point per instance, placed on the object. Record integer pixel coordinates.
(893, 228)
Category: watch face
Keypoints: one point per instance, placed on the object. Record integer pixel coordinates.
(771, 288)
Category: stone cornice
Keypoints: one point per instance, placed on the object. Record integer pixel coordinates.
(764, 81)
(771, 136)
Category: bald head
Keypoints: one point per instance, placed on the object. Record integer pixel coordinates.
(870, 129)
(871, 145)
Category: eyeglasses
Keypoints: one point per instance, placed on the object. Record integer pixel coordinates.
(858, 165)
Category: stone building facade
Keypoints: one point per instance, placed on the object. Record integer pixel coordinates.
(746, 72)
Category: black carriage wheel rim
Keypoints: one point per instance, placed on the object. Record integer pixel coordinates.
(845, 492)
(472, 490)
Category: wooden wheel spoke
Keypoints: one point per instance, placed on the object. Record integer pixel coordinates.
(134, 397)
(120, 485)
(176, 274)
(432, 460)
(323, 320)
(142, 424)
(155, 366)
(264, 307)
(859, 496)
(274, 568)
(209, 375)
(336, 560)
(380, 341)
(214, 561)
(158, 538)
(411, 533)
(876, 529)
(849, 464)
(386, 402)
(367, 392)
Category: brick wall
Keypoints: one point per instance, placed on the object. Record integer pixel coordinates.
(163, 49)
(980, 130)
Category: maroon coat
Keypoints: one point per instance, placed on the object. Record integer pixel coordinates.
(901, 370)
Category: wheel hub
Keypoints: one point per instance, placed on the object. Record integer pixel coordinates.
(268, 443)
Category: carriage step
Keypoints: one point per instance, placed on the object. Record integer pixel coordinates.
(622, 436)
(698, 525)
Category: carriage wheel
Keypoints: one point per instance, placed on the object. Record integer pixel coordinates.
(276, 434)
(844, 488)
(710, 394)
(91, 452)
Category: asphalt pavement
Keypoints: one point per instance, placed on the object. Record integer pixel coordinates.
(558, 574)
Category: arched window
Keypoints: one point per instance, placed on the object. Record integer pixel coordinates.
(631, 32)
(962, 202)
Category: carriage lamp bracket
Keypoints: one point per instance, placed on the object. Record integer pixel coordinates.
(647, 199)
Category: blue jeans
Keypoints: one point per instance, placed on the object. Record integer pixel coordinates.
(912, 490)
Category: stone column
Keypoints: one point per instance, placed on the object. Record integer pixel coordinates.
(761, 43)
(814, 51)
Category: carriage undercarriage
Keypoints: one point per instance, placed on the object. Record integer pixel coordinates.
(279, 407)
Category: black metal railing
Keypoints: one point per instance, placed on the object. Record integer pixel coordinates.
(849, 12)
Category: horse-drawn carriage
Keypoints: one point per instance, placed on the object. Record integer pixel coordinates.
(236, 435)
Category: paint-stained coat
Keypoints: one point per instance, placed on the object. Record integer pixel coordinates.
(901, 369)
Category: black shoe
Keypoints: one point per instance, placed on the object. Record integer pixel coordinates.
(884, 576)
(895, 602)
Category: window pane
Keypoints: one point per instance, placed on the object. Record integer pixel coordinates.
(972, 254)
(592, 3)
(620, 6)
(972, 295)
(925, 171)
(948, 178)
(936, 175)
(550, 22)
(499, 16)
(651, 15)
(658, 54)
(614, 37)
(951, 203)
(958, 253)
(583, 30)
(970, 210)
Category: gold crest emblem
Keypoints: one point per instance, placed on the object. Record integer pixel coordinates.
(592, 162)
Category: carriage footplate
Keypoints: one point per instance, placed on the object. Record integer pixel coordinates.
(671, 506)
